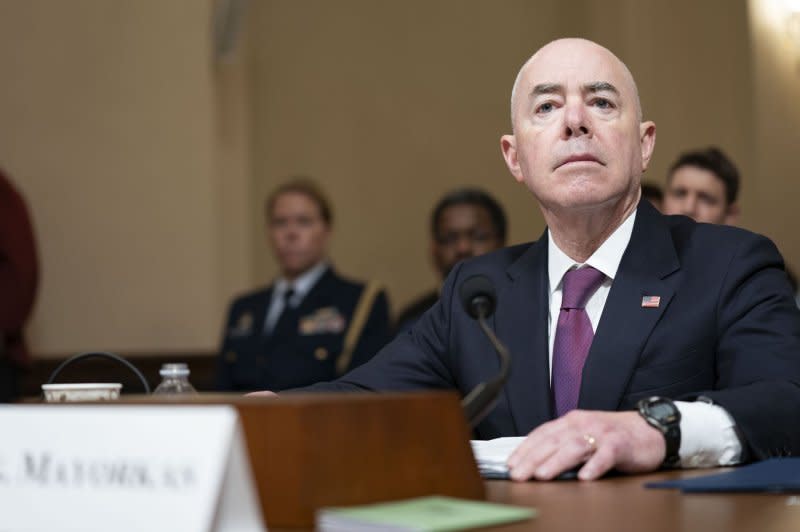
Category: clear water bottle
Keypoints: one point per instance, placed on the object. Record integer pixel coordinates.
(174, 380)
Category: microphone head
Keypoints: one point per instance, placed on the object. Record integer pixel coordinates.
(478, 296)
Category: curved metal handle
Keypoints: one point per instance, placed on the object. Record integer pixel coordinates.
(99, 354)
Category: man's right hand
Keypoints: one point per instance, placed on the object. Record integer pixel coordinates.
(600, 440)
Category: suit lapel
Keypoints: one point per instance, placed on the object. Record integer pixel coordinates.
(521, 321)
(625, 324)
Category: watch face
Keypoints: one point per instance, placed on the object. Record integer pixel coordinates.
(663, 411)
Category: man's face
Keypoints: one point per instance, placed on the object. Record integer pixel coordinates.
(463, 231)
(298, 233)
(578, 143)
(699, 194)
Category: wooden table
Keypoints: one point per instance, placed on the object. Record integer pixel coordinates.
(623, 503)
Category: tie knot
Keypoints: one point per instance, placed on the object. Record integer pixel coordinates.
(579, 285)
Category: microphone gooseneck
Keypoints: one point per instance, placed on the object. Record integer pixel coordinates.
(479, 301)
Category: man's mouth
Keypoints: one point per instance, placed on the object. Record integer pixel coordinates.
(579, 158)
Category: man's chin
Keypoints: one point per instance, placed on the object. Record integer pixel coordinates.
(294, 269)
(586, 202)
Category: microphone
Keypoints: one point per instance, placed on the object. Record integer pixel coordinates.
(479, 301)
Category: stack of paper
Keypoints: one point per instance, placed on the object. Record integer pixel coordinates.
(421, 514)
(492, 455)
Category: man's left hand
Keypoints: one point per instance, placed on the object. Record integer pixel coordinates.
(265, 393)
(603, 440)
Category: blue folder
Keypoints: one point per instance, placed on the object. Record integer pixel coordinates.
(776, 475)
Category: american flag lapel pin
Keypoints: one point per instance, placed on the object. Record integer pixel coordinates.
(651, 301)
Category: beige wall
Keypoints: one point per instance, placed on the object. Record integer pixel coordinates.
(146, 160)
(108, 126)
(776, 107)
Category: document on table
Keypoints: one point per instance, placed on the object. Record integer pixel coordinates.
(424, 514)
(492, 455)
(776, 475)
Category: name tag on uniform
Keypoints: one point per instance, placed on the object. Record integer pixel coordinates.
(326, 320)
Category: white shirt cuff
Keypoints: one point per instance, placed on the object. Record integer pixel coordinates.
(708, 436)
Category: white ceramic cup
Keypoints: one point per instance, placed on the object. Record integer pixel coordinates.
(89, 391)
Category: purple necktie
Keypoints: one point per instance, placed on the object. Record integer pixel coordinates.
(573, 336)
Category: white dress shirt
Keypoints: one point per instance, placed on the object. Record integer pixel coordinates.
(708, 437)
(301, 286)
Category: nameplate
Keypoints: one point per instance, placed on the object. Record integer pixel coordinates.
(125, 468)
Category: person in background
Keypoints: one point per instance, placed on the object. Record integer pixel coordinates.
(653, 194)
(19, 277)
(703, 185)
(465, 223)
(310, 324)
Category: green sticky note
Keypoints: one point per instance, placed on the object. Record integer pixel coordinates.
(424, 514)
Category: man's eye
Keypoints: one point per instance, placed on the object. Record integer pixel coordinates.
(447, 239)
(545, 108)
(305, 221)
(708, 200)
(677, 193)
(602, 103)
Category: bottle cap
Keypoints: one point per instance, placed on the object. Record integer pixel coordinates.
(174, 370)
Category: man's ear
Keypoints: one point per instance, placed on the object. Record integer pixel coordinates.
(432, 253)
(433, 257)
(732, 214)
(647, 137)
(327, 236)
(508, 145)
(268, 239)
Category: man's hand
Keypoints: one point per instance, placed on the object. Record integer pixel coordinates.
(265, 393)
(604, 440)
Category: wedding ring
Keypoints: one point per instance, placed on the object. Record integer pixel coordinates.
(591, 441)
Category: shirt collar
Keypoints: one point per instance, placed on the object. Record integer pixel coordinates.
(605, 259)
(303, 284)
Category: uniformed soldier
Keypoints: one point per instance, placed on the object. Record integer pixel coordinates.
(309, 325)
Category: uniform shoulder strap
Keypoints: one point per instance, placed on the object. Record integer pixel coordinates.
(351, 337)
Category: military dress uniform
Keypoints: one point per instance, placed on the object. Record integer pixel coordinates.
(307, 343)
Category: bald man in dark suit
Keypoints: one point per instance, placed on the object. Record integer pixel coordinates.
(639, 340)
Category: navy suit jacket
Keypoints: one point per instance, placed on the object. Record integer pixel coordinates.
(306, 341)
(726, 328)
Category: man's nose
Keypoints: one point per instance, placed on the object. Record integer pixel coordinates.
(576, 120)
(689, 207)
(464, 246)
(291, 232)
